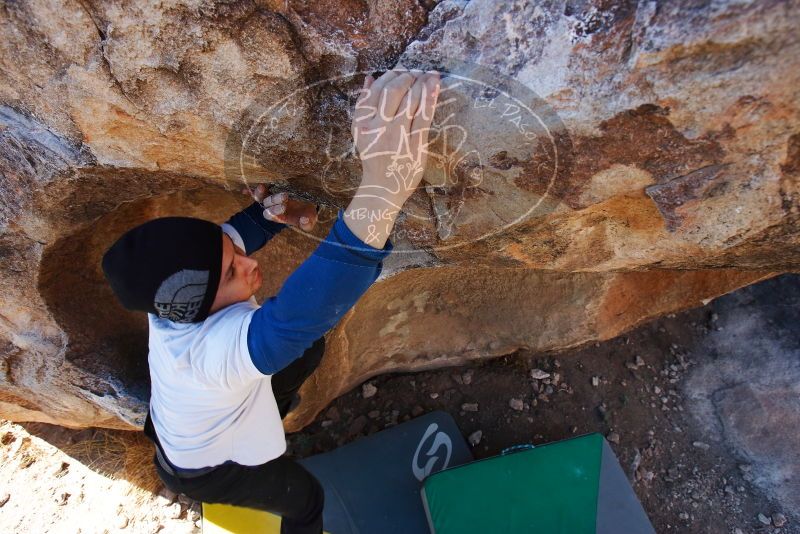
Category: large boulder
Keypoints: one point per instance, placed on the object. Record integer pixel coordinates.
(599, 164)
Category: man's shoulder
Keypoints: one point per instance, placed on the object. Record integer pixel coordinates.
(235, 310)
(229, 320)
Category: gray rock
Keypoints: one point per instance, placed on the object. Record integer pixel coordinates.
(174, 510)
(368, 390)
(538, 374)
(470, 406)
(475, 438)
(516, 404)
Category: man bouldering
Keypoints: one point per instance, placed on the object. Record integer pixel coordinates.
(224, 369)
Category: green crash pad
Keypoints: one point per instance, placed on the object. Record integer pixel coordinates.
(569, 487)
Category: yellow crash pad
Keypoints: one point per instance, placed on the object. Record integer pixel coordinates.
(227, 519)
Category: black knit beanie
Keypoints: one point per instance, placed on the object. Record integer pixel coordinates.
(169, 267)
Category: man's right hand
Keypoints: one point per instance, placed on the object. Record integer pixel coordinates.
(390, 129)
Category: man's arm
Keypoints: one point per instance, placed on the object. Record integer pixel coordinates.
(341, 269)
(314, 297)
(252, 227)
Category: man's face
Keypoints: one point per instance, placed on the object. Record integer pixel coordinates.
(239, 279)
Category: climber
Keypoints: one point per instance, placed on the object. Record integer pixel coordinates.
(225, 370)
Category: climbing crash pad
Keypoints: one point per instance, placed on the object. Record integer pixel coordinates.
(373, 484)
(574, 486)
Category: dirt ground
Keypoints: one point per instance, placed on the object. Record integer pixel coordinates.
(632, 389)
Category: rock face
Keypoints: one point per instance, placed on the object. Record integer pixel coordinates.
(599, 164)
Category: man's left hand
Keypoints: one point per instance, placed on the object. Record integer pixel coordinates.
(282, 209)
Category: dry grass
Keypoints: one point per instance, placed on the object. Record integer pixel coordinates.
(118, 454)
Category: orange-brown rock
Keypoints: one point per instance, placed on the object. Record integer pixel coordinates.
(661, 171)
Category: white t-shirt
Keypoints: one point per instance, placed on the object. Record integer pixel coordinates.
(209, 403)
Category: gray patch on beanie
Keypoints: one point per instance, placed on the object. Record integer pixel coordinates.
(180, 296)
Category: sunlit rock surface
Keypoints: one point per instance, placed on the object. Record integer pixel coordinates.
(663, 172)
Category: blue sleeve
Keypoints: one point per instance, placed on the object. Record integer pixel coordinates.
(254, 229)
(314, 298)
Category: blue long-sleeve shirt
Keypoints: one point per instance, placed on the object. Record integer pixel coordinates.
(314, 297)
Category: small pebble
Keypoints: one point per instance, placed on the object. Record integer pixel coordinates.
(778, 519)
(538, 374)
(764, 519)
(613, 437)
(333, 414)
(122, 522)
(470, 406)
(174, 510)
(595, 381)
(434, 396)
(516, 404)
(475, 438)
(167, 496)
(368, 390)
(701, 445)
